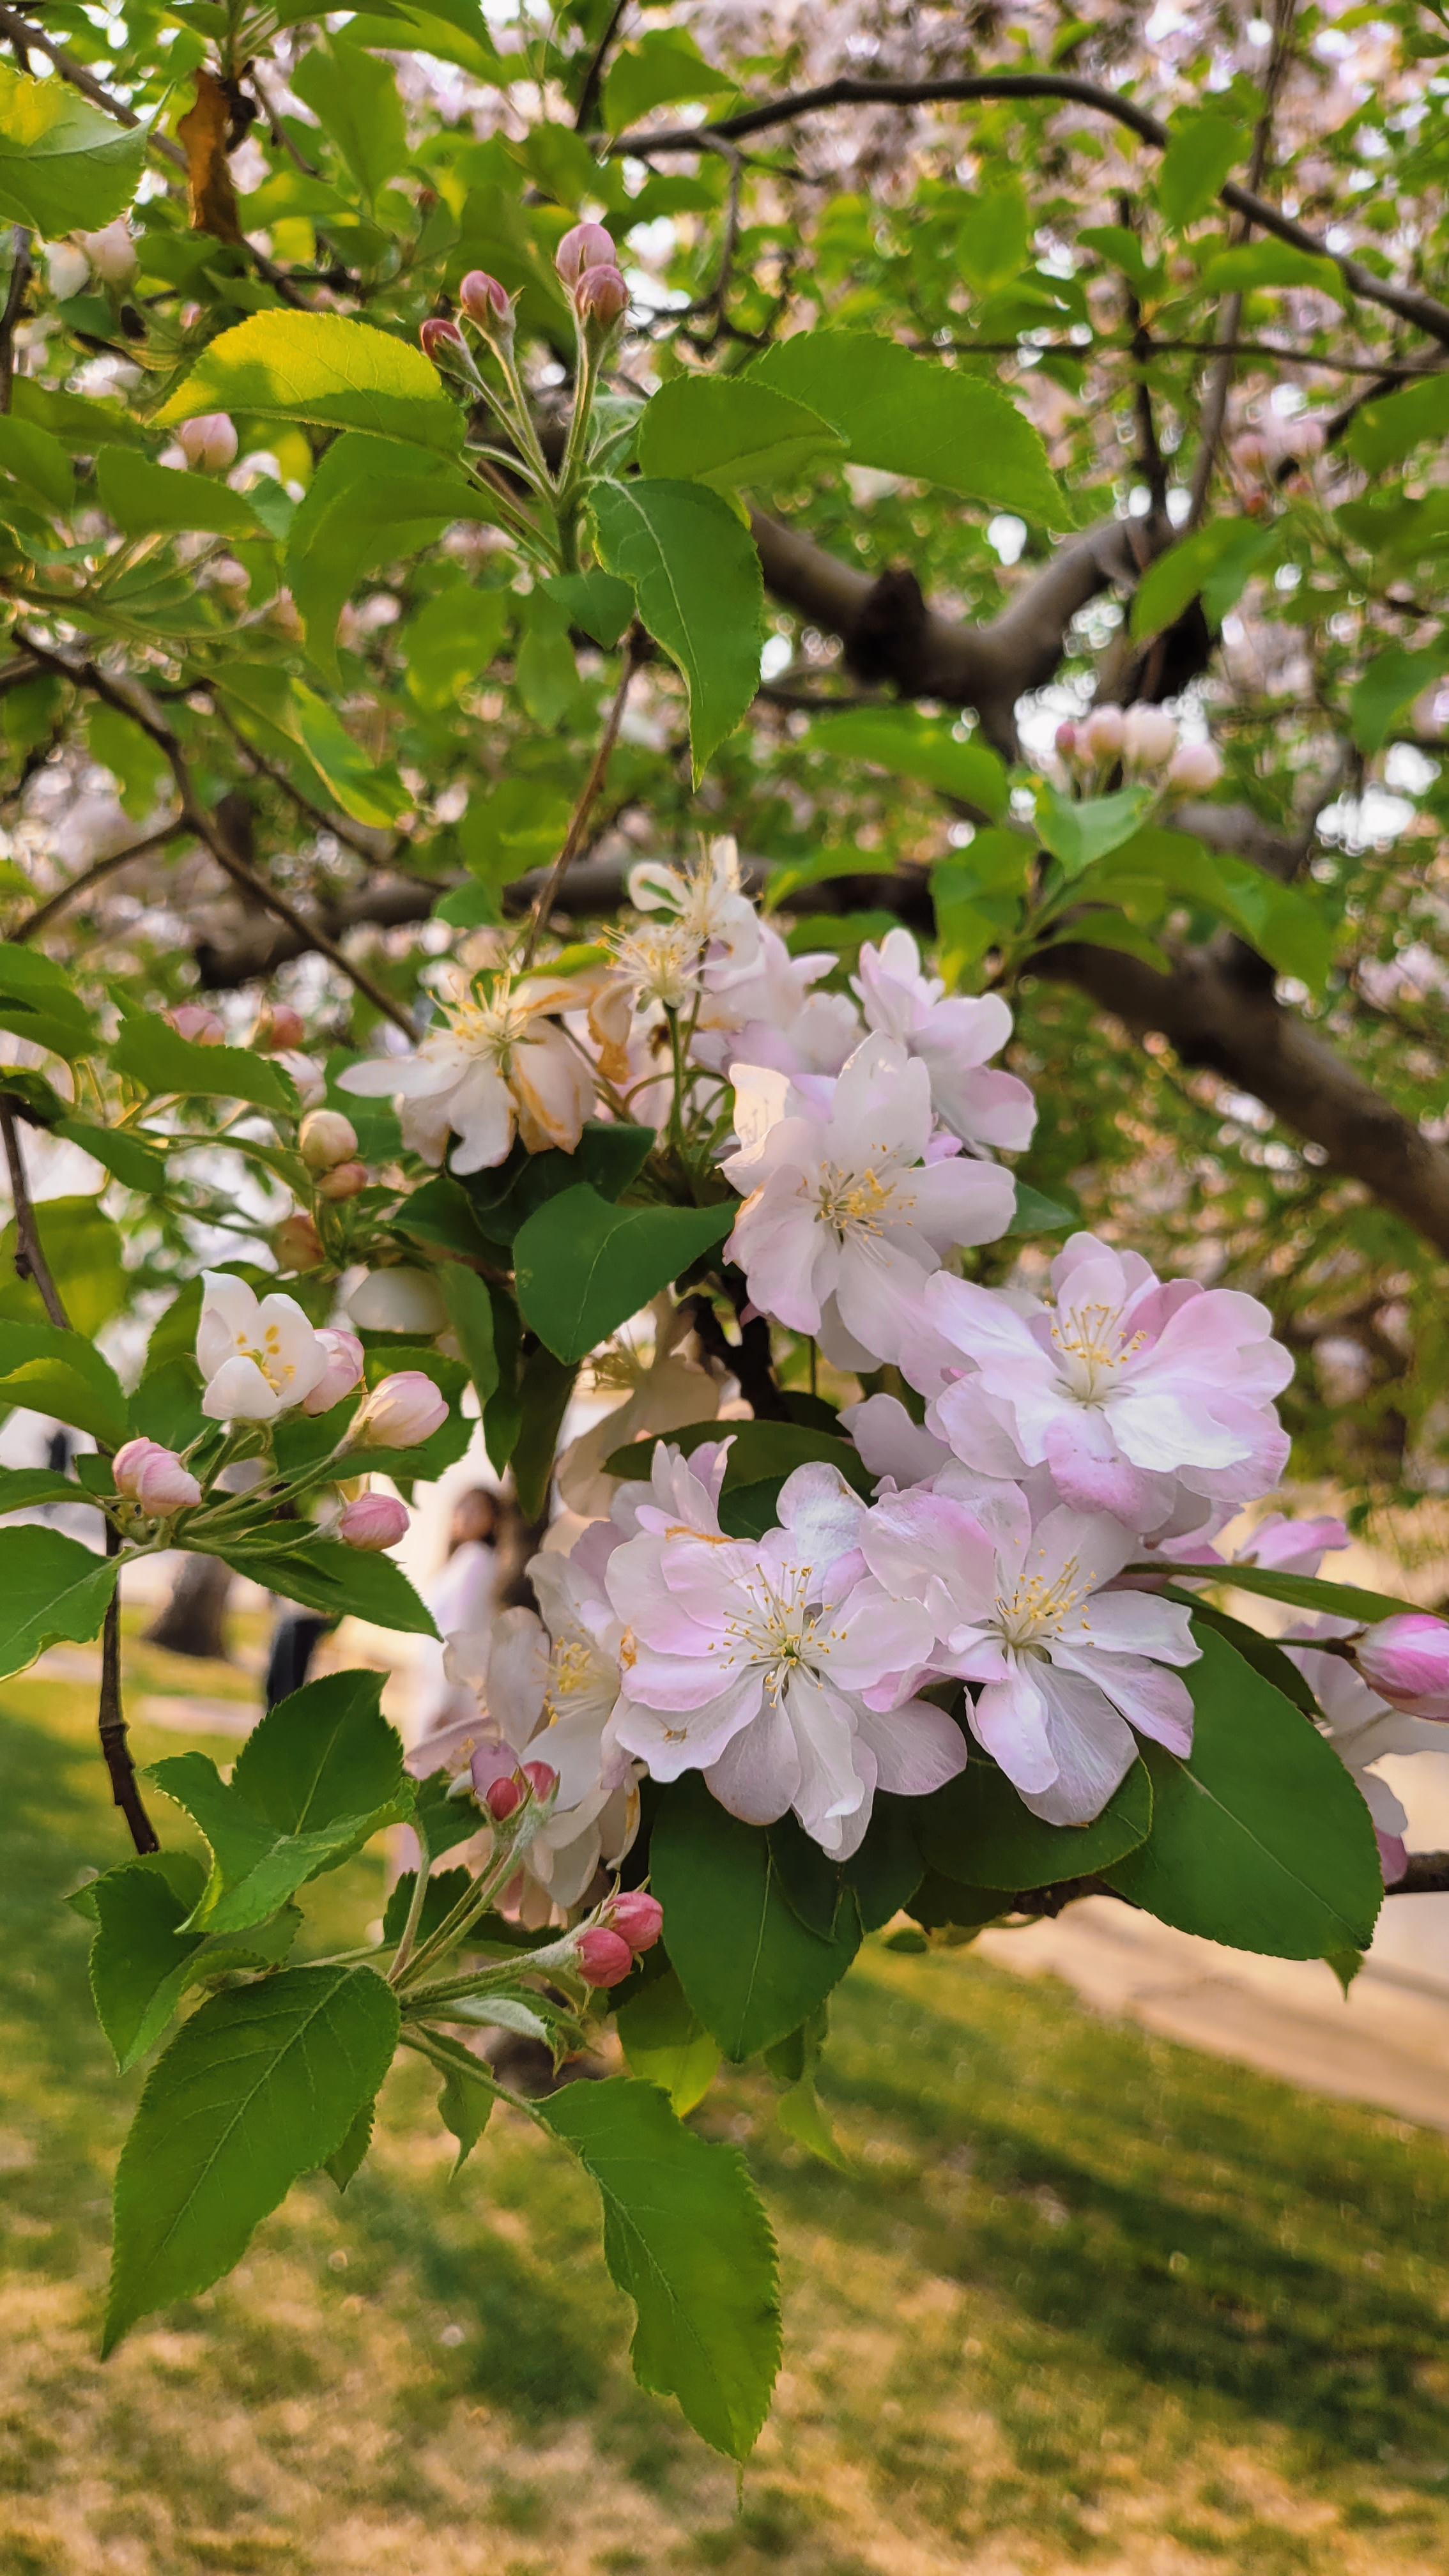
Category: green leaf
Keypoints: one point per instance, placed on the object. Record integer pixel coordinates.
(50, 1588)
(545, 1385)
(747, 1963)
(282, 716)
(142, 1962)
(357, 103)
(686, 2239)
(83, 1247)
(21, 1488)
(664, 67)
(166, 1406)
(596, 601)
(139, 1166)
(609, 1158)
(1079, 833)
(325, 1753)
(468, 2094)
(729, 431)
(696, 576)
(1391, 425)
(800, 2116)
(1215, 565)
(977, 1830)
(340, 1581)
(452, 639)
(758, 1450)
(1281, 921)
(1256, 1649)
(257, 1863)
(993, 241)
(545, 673)
(152, 1053)
(370, 501)
(916, 416)
(1303, 1591)
(1391, 682)
(1036, 1214)
(38, 462)
(63, 165)
(1267, 264)
(1203, 149)
(666, 2043)
(329, 373)
(261, 2085)
(37, 1002)
(470, 1312)
(582, 1267)
(345, 2161)
(142, 499)
(1260, 1840)
(444, 1889)
(913, 746)
(52, 1371)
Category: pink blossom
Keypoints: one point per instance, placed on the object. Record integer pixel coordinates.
(155, 1478)
(1149, 737)
(488, 304)
(637, 1918)
(1102, 735)
(344, 1370)
(201, 1027)
(401, 1411)
(1064, 1670)
(601, 297)
(209, 441)
(1195, 767)
(1363, 1727)
(1123, 1384)
(1406, 1660)
(779, 1668)
(764, 1012)
(583, 246)
(604, 1957)
(953, 1038)
(280, 1029)
(844, 1220)
(344, 1181)
(374, 1521)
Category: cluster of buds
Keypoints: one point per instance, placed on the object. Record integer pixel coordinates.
(506, 1795)
(629, 1925)
(1141, 739)
(155, 1479)
(327, 1143)
(1406, 1660)
(588, 263)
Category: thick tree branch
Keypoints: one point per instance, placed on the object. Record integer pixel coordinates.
(1426, 1875)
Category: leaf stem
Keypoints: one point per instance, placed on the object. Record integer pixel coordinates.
(592, 784)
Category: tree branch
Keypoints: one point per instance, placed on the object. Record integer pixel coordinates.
(1426, 1875)
(20, 275)
(573, 837)
(45, 913)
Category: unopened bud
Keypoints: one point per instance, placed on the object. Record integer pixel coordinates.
(111, 252)
(297, 1243)
(1406, 1660)
(401, 1411)
(344, 1370)
(398, 1301)
(1250, 452)
(1149, 737)
(209, 441)
(1101, 735)
(503, 1795)
(344, 1181)
(488, 304)
(1066, 739)
(604, 1958)
(67, 270)
(325, 1138)
(373, 1521)
(637, 1918)
(193, 1021)
(601, 298)
(278, 1026)
(155, 1478)
(542, 1779)
(440, 334)
(585, 246)
(1195, 767)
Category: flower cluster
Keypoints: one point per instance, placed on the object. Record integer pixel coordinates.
(1140, 740)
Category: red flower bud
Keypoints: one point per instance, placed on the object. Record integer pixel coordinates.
(280, 1027)
(343, 1181)
(637, 1918)
(586, 246)
(601, 297)
(503, 1796)
(542, 1778)
(487, 303)
(604, 1958)
(439, 330)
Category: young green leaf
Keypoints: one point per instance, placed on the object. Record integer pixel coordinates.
(729, 432)
(262, 2084)
(666, 2043)
(1203, 149)
(357, 103)
(596, 601)
(582, 1267)
(37, 1002)
(696, 576)
(1215, 565)
(50, 1588)
(289, 721)
(470, 1312)
(325, 371)
(664, 66)
(154, 1054)
(51, 1371)
(453, 637)
(1391, 425)
(1260, 1840)
(63, 165)
(747, 1963)
(1077, 834)
(324, 1753)
(686, 2239)
(922, 747)
(143, 499)
(370, 500)
(84, 1249)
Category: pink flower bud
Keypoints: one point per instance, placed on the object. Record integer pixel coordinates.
(344, 1370)
(192, 1020)
(209, 441)
(1066, 739)
(601, 298)
(325, 1138)
(279, 1026)
(586, 246)
(297, 1243)
(604, 1959)
(401, 1411)
(438, 333)
(1149, 737)
(1195, 767)
(112, 253)
(373, 1521)
(502, 1794)
(1406, 1660)
(155, 1478)
(127, 1464)
(488, 304)
(1100, 737)
(637, 1918)
(542, 1779)
(343, 1181)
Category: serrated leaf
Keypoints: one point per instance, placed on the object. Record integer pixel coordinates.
(324, 1753)
(154, 1054)
(140, 1166)
(370, 501)
(323, 370)
(261, 2085)
(976, 1830)
(357, 103)
(913, 746)
(505, 1198)
(666, 2043)
(596, 601)
(256, 1864)
(50, 1588)
(729, 432)
(84, 1249)
(37, 1002)
(750, 1968)
(1215, 564)
(1078, 833)
(1283, 922)
(143, 499)
(52, 1371)
(1260, 1839)
(340, 1581)
(582, 1266)
(686, 2239)
(696, 575)
(63, 165)
(142, 1962)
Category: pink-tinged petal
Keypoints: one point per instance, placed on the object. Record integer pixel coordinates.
(928, 1548)
(978, 1426)
(917, 1748)
(640, 1597)
(776, 1242)
(517, 1676)
(878, 1290)
(1393, 1857)
(963, 1201)
(674, 1741)
(823, 1725)
(679, 1683)
(1159, 1429)
(890, 1443)
(1088, 1468)
(985, 1326)
(757, 1776)
(871, 1635)
(1135, 1623)
(1157, 1702)
(1010, 1719)
(1083, 1549)
(882, 1108)
(822, 1513)
(1293, 1547)
(1094, 1751)
(571, 1747)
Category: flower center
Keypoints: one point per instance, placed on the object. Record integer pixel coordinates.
(277, 1371)
(775, 1628)
(492, 1028)
(859, 1203)
(574, 1671)
(1092, 1348)
(1039, 1606)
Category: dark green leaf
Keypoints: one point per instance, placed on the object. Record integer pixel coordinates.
(325, 1575)
(261, 2085)
(608, 1158)
(695, 573)
(50, 1588)
(885, 1872)
(142, 1961)
(583, 1266)
(1303, 1591)
(745, 1960)
(595, 601)
(256, 1865)
(345, 2160)
(21, 1488)
(324, 1753)
(1034, 1213)
(470, 1312)
(545, 1385)
(52, 1371)
(444, 1888)
(686, 2239)
(759, 1451)
(666, 2043)
(976, 1830)
(139, 1166)
(37, 1002)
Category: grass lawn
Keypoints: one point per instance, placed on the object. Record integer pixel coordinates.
(1085, 2299)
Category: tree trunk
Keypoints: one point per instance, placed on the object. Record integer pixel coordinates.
(192, 1621)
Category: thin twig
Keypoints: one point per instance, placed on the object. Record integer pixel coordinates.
(30, 1260)
(20, 274)
(594, 77)
(573, 837)
(278, 778)
(1102, 345)
(20, 29)
(1215, 407)
(92, 876)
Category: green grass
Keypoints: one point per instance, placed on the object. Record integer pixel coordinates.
(1085, 2299)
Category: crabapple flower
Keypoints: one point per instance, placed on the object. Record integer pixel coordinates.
(765, 1013)
(1195, 767)
(583, 246)
(374, 1521)
(844, 1219)
(401, 1411)
(111, 252)
(259, 1356)
(343, 1372)
(1064, 1670)
(1149, 737)
(1102, 734)
(601, 298)
(604, 1957)
(306, 1073)
(1121, 1383)
(279, 1030)
(297, 1243)
(953, 1039)
(344, 1181)
(488, 304)
(155, 1478)
(1288, 1546)
(778, 1668)
(500, 1065)
(1363, 1727)
(707, 901)
(1406, 1660)
(194, 1022)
